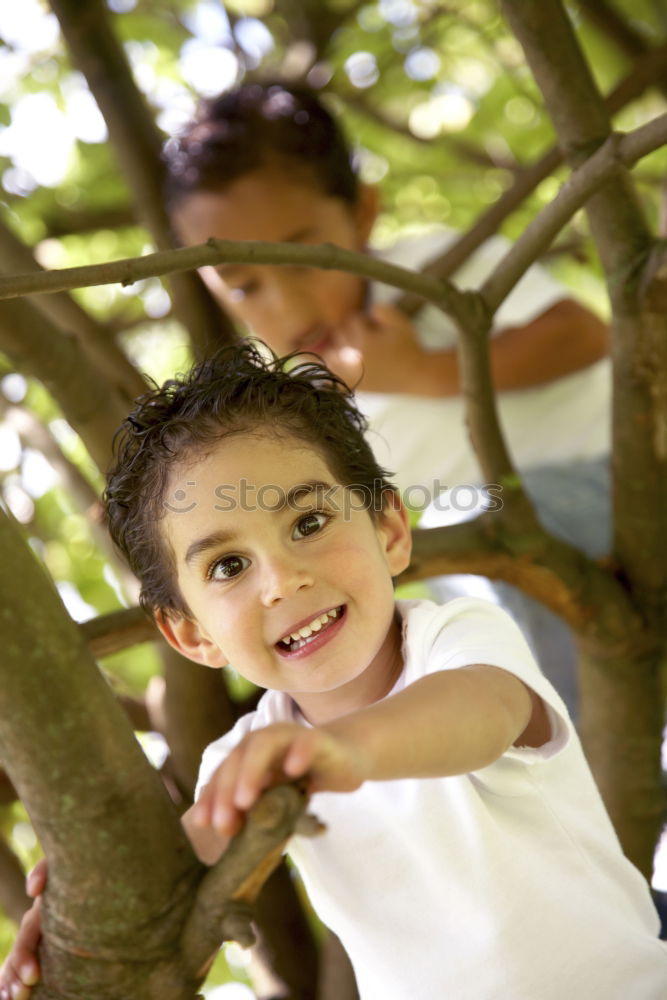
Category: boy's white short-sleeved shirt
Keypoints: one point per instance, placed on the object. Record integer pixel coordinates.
(505, 884)
(423, 439)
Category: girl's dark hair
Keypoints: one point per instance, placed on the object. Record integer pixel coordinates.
(253, 126)
(237, 390)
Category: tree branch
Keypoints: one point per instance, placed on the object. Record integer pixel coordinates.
(327, 256)
(582, 123)
(97, 53)
(118, 630)
(34, 434)
(648, 70)
(68, 314)
(222, 908)
(639, 332)
(88, 400)
(539, 234)
(627, 39)
(581, 591)
(60, 221)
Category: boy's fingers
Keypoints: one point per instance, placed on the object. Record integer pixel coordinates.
(264, 763)
(15, 991)
(225, 817)
(24, 955)
(300, 755)
(259, 759)
(36, 879)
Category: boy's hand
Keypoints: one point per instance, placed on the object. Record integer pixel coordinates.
(20, 970)
(270, 756)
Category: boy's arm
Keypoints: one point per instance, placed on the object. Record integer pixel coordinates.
(450, 722)
(565, 338)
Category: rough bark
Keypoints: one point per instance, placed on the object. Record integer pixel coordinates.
(620, 722)
(111, 912)
(69, 315)
(87, 398)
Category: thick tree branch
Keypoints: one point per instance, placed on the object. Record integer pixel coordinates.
(68, 314)
(37, 347)
(578, 589)
(222, 908)
(87, 788)
(7, 791)
(118, 630)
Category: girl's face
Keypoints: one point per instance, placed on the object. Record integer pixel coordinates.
(289, 308)
(287, 577)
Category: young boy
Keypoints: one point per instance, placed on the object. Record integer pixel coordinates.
(470, 855)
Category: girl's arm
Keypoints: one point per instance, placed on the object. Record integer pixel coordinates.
(564, 339)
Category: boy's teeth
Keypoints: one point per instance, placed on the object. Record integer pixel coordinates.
(306, 631)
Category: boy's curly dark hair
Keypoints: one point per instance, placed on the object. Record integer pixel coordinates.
(237, 390)
(253, 126)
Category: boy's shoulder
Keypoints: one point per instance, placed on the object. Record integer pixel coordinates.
(467, 631)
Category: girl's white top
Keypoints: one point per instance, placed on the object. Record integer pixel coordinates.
(423, 440)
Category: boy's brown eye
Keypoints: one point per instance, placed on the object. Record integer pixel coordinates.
(227, 568)
(310, 524)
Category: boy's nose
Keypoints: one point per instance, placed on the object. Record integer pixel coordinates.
(281, 578)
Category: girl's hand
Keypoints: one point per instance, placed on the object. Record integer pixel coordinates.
(271, 756)
(20, 970)
(381, 352)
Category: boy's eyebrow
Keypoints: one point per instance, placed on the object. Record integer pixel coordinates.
(211, 541)
(298, 236)
(224, 536)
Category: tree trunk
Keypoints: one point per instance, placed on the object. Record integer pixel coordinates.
(621, 722)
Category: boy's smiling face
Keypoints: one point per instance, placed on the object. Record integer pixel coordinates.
(256, 572)
(289, 308)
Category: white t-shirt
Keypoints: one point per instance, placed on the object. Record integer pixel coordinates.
(424, 439)
(505, 884)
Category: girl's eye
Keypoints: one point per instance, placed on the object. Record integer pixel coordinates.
(310, 524)
(225, 569)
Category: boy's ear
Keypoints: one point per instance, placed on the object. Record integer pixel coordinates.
(188, 639)
(366, 212)
(394, 527)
